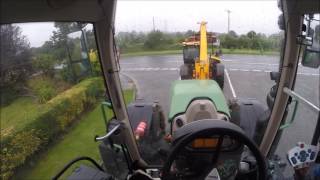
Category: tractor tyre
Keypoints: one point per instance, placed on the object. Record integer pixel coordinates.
(185, 72)
(158, 125)
(219, 74)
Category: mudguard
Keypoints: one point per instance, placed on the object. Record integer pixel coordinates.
(150, 113)
(252, 116)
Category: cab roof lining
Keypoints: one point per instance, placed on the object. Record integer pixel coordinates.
(19, 11)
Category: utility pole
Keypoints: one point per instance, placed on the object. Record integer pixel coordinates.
(154, 28)
(228, 11)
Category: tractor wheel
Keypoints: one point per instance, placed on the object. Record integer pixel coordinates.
(185, 72)
(158, 125)
(219, 74)
(220, 81)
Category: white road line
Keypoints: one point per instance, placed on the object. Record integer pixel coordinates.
(308, 74)
(126, 63)
(173, 69)
(231, 86)
(262, 64)
(230, 69)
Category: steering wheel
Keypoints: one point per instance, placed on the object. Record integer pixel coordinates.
(209, 128)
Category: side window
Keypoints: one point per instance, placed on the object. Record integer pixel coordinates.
(51, 92)
(303, 111)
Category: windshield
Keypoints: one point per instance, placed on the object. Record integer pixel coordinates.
(190, 53)
(154, 54)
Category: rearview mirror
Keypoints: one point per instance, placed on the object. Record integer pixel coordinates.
(311, 54)
(311, 51)
(311, 58)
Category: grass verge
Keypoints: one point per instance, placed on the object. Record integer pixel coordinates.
(248, 52)
(78, 142)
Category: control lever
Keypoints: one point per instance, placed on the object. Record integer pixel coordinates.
(102, 138)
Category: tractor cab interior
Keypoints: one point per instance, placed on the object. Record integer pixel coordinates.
(205, 135)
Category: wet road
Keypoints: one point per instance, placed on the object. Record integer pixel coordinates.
(248, 78)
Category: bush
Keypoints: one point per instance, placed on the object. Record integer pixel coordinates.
(55, 117)
(43, 88)
(25, 143)
(95, 64)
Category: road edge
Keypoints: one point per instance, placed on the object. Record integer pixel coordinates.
(135, 85)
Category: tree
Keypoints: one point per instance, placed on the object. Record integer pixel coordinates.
(190, 33)
(59, 38)
(233, 34)
(15, 59)
(154, 40)
(44, 63)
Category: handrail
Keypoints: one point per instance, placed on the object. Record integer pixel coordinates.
(301, 99)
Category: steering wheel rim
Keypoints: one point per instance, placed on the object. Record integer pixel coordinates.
(219, 128)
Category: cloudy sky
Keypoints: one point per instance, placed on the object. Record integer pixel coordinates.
(171, 16)
(181, 15)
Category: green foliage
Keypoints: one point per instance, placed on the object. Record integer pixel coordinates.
(95, 64)
(55, 116)
(17, 150)
(251, 40)
(44, 63)
(133, 42)
(43, 87)
(77, 142)
(15, 61)
(157, 40)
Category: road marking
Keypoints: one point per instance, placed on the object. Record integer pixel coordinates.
(230, 69)
(149, 69)
(262, 64)
(309, 74)
(173, 69)
(268, 71)
(126, 63)
(231, 86)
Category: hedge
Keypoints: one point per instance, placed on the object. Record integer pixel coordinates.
(54, 118)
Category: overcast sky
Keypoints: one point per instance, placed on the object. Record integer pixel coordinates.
(260, 16)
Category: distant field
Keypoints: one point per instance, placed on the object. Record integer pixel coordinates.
(178, 51)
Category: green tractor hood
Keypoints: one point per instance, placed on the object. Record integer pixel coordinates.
(184, 91)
